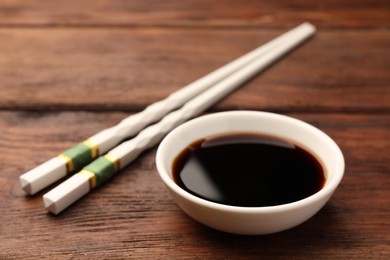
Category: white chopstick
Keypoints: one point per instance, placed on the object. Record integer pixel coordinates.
(102, 169)
(75, 158)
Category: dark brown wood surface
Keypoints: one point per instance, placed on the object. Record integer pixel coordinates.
(71, 68)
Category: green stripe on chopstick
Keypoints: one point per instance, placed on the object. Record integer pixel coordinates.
(103, 168)
(79, 155)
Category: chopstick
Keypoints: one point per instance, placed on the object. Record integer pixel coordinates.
(73, 159)
(78, 156)
(102, 169)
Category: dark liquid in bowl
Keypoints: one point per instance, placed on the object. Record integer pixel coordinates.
(248, 170)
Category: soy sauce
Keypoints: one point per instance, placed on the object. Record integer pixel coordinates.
(246, 169)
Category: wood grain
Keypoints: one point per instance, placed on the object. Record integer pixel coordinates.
(71, 68)
(134, 216)
(203, 13)
(121, 69)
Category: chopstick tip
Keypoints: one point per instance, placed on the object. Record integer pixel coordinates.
(26, 185)
(310, 26)
(50, 205)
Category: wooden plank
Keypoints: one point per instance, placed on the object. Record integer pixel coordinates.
(123, 55)
(133, 216)
(127, 69)
(328, 13)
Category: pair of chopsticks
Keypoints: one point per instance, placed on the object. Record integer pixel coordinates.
(95, 163)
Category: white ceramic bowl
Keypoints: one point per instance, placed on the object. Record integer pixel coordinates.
(251, 220)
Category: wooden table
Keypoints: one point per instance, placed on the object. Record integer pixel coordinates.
(71, 68)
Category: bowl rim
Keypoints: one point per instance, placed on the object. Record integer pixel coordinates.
(325, 192)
